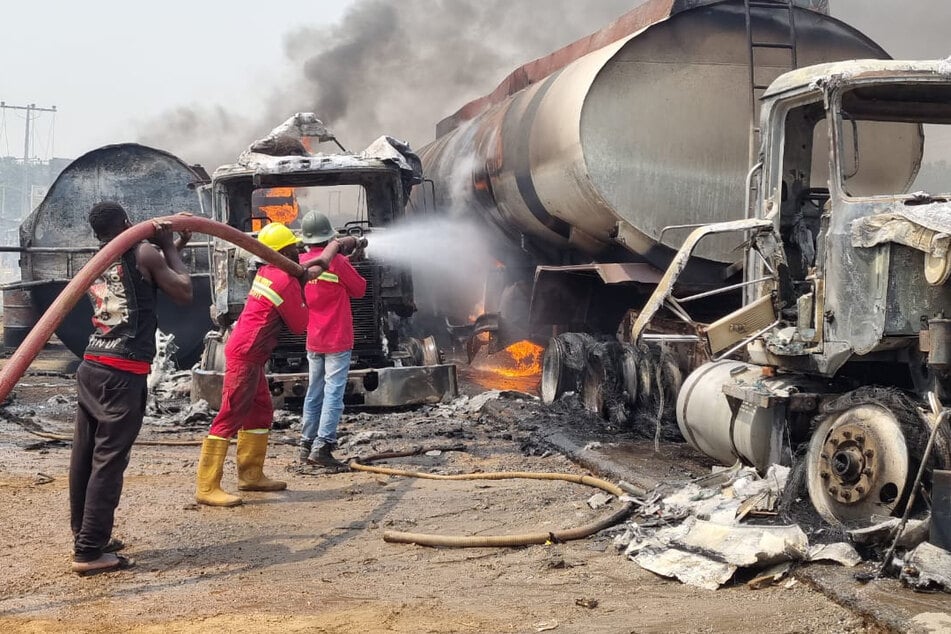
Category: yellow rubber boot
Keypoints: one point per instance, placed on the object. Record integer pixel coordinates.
(210, 466)
(252, 449)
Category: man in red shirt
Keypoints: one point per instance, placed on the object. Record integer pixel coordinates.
(275, 299)
(329, 340)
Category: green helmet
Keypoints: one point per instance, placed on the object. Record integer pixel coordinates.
(316, 228)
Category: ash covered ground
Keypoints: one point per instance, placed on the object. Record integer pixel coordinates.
(312, 557)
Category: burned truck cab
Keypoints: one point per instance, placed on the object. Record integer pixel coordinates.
(851, 197)
(279, 180)
(853, 175)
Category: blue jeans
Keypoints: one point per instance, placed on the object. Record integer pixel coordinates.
(323, 403)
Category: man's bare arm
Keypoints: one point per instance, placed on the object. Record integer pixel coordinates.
(169, 272)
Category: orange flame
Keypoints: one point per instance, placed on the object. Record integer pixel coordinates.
(521, 359)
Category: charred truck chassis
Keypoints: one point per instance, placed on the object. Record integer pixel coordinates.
(388, 369)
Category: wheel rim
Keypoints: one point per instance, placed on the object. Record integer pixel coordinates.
(552, 370)
(857, 465)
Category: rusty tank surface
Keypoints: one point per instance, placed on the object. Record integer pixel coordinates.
(56, 241)
(609, 149)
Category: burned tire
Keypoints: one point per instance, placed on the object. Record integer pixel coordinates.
(650, 380)
(671, 379)
(563, 365)
(629, 374)
(646, 380)
(601, 388)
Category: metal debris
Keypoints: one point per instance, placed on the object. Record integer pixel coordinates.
(927, 568)
(746, 546)
(476, 403)
(770, 576)
(695, 533)
(881, 534)
(840, 553)
(689, 568)
(365, 437)
(599, 500)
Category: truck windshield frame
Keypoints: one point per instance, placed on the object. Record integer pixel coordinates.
(887, 127)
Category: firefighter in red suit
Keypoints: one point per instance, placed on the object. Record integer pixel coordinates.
(275, 299)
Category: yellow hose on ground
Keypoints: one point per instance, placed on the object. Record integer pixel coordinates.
(521, 539)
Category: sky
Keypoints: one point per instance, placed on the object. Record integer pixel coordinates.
(110, 66)
(120, 71)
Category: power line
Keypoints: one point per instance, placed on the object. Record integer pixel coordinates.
(27, 140)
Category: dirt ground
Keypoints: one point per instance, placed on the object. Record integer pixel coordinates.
(313, 559)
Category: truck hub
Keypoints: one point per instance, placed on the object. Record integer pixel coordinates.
(857, 464)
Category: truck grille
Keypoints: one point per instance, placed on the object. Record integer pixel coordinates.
(367, 329)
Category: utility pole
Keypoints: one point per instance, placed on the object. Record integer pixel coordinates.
(27, 182)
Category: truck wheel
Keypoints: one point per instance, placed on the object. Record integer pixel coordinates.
(671, 379)
(431, 352)
(857, 465)
(629, 373)
(563, 364)
(865, 453)
(646, 379)
(601, 388)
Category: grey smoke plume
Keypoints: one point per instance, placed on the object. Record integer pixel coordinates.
(399, 67)
(388, 68)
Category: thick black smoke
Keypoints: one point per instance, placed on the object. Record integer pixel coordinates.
(399, 67)
(388, 68)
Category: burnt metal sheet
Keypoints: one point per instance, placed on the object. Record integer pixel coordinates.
(834, 74)
(610, 273)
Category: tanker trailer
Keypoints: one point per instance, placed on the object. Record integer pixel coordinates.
(789, 306)
(56, 241)
(586, 168)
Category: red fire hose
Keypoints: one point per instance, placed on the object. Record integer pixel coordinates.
(46, 326)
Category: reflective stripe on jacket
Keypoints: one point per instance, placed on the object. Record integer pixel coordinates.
(275, 299)
(330, 320)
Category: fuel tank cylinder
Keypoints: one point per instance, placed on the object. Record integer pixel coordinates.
(650, 129)
(704, 417)
(754, 434)
(148, 183)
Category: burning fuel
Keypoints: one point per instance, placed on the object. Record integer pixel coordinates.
(517, 367)
(521, 359)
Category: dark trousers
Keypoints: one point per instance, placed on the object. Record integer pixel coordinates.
(108, 419)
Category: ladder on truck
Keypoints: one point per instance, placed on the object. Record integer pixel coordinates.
(759, 13)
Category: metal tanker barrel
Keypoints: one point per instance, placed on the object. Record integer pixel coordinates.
(645, 123)
(19, 316)
(57, 241)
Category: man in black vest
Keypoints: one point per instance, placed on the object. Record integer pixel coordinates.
(111, 380)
